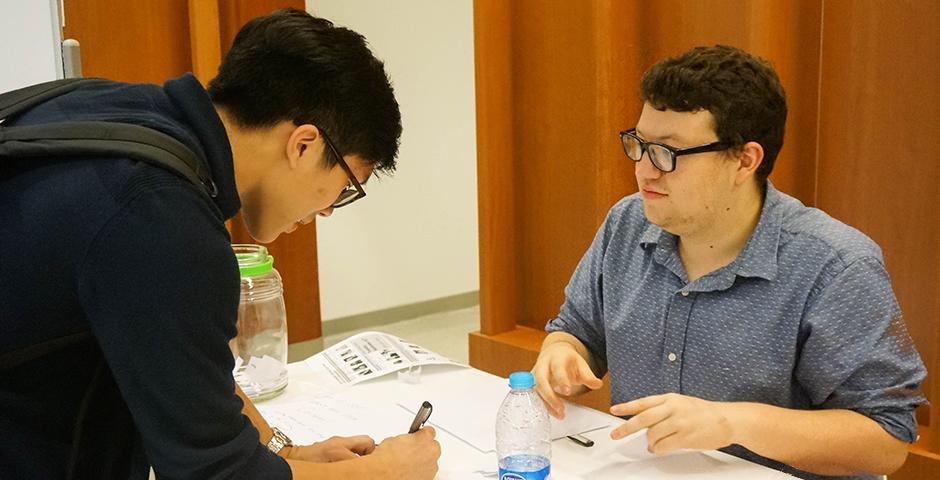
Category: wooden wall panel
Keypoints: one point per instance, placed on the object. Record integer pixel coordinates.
(617, 66)
(493, 73)
(554, 138)
(878, 170)
(205, 39)
(141, 41)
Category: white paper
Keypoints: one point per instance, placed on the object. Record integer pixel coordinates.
(371, 355)
(465, 405)
(632, 447)
(319, 418)
(264, 370)
(578, 419)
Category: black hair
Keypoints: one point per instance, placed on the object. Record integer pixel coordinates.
(292, 66)
(740, 90)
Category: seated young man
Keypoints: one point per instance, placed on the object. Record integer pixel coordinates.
(728, 314)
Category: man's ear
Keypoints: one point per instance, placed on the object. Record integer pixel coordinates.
(749, 158)
(300, 143)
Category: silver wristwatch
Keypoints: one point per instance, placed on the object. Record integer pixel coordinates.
(278, 440)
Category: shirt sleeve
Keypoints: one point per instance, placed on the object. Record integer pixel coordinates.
(159, 287)
(582, 313)
(857, 353)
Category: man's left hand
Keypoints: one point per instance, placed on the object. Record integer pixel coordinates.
(676, 422)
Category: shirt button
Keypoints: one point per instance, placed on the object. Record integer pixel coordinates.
(685, 293)
(672, 357)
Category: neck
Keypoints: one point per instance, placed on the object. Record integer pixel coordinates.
(708, 250)
(246, 145)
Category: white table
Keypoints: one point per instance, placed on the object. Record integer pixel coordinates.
(459, 460)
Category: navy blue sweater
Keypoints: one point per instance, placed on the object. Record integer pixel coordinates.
(141, 259)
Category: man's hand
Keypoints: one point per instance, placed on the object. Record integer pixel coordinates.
(560, 369)
(676, 422)
(411, 456)
(333, 449)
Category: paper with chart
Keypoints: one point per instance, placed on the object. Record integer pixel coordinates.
(371, 355)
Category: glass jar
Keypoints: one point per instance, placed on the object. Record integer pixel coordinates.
(260, 348)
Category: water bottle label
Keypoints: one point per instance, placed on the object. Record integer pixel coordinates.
(543, 474)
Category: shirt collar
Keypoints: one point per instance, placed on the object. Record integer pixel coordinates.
(758, 258)
(193, 102)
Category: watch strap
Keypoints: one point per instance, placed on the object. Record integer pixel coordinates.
(278, 440)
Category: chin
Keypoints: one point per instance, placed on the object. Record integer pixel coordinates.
(661, 221)
(651, 215)
(263, 237)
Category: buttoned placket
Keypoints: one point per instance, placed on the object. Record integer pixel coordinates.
(677, 320)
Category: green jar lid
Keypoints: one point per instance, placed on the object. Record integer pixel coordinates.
(256, 268)
(253, 260)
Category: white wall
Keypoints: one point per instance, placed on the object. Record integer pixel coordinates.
(30, 49)
(414, 237)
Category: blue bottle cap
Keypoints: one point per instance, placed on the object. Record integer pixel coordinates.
(521, 380)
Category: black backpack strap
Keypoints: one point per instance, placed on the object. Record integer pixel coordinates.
(106, 139)
(90, 139)
(14, 102)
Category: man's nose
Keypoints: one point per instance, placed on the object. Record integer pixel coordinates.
(645, 168)
(326, 212)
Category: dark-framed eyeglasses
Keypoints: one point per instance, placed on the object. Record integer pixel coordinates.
(662, 156)
(353, 190)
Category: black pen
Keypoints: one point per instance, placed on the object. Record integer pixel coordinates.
(581, 440)
(423, 414)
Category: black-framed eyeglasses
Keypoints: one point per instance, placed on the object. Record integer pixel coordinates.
(353, 190)
(662, 156)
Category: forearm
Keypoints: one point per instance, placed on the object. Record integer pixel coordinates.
(363, 467)
(264, 430)
(825, 442)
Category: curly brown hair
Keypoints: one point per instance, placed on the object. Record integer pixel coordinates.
(740, 90)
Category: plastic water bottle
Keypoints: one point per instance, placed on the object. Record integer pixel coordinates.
(523, 432)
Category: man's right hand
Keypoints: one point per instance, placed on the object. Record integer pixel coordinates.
(409, 456)
(560, 369)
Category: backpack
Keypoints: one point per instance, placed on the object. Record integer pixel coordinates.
(77, 139)
(82, 139)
